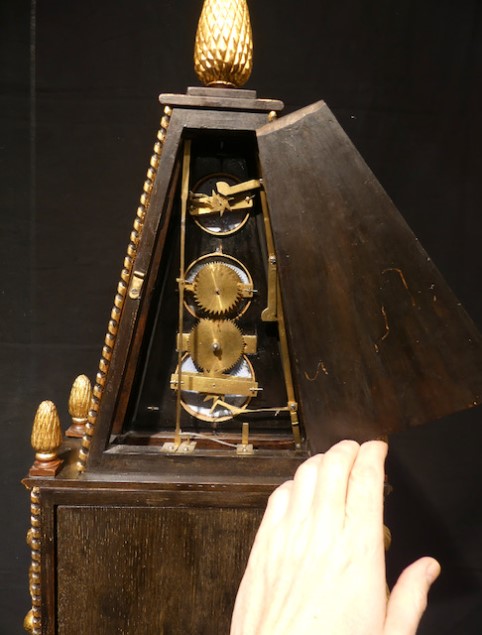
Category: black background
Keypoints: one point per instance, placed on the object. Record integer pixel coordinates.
(78, 117)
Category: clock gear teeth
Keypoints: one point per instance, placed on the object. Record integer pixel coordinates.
(217, 288)
(215, 345)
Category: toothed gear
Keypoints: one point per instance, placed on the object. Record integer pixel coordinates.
(215, 345)
(216, 288)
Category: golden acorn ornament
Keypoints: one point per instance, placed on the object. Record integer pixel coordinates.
(223, 51)
(46, 440)
(79, 403)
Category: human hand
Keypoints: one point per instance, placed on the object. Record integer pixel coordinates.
(318, 562)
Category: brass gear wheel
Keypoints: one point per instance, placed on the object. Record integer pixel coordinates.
(216, 288)
(215, 345)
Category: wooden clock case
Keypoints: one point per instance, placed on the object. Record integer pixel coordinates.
(127, 538)
(142, 541)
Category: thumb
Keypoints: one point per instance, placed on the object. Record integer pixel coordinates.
(408, 599)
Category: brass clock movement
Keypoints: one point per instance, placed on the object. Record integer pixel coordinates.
(271, 302)
(218, 372)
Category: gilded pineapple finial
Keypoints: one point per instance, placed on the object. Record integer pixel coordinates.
(46, 440)
(79, 402)
(223, 52)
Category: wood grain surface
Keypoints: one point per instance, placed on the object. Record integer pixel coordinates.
(379, 341)
(145, 571)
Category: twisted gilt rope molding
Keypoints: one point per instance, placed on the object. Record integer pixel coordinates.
(33, 619)
(120, 296)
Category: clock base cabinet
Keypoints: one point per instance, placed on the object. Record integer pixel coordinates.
(122, 559)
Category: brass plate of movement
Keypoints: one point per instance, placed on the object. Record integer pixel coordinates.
(215, 345)
(214, 210)
(217, 288)
(215, 398)
(217, 285)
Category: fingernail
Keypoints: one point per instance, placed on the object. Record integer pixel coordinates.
(432, 571)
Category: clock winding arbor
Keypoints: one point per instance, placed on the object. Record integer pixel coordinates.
(272, 301)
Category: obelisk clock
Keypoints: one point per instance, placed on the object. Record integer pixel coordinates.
(271, 301)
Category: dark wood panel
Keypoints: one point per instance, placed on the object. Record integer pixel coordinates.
(379, 341)
(123, 570)
(222, 99)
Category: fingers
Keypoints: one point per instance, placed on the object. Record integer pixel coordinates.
(345, 482)
(278, 504)
(408, 599)
(320, 483)
(364, 502)
(332, 483)
(304, 485)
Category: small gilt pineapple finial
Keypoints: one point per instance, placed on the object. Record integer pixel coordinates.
(223, 52)
(79, 402)
(46, 440)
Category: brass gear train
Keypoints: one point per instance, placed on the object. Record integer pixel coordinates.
(215, 345)
(217, 288)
